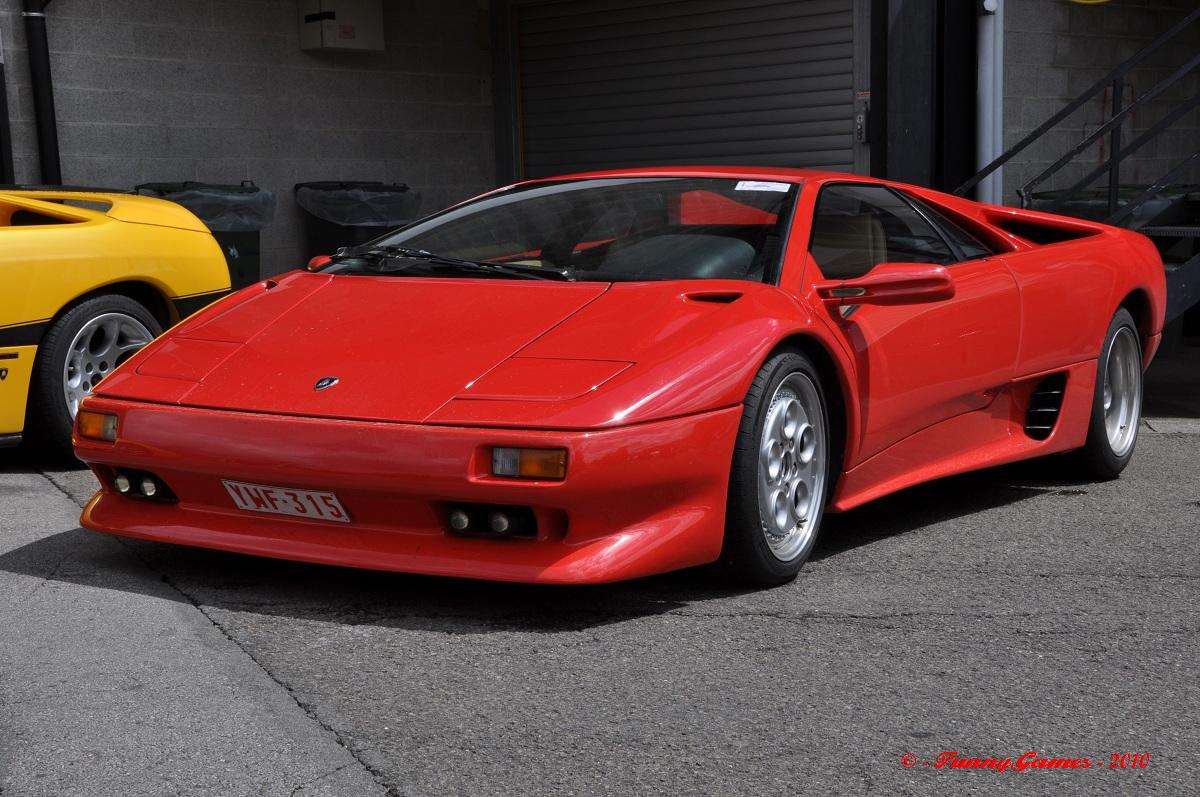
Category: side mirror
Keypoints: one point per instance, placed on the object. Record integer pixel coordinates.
(891, 283)
(319, 262)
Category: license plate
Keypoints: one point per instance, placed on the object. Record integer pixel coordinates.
(286, 501)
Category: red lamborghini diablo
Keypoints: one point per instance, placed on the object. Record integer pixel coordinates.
(607, 375)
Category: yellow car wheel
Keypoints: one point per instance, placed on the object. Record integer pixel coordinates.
(79, 350)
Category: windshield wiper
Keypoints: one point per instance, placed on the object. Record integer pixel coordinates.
(475, 266)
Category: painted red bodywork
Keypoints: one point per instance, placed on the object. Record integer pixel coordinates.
(642, 383)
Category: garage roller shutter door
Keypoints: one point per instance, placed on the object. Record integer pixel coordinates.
(609, 83)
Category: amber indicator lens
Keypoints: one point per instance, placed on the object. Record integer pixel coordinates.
(96, 425)
(530, 463)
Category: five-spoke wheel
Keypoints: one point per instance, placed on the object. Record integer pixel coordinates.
(1122, 390)
(792, 466)
(780, 473)
(1117, 401)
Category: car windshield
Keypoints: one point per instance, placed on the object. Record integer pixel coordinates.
(617, 229)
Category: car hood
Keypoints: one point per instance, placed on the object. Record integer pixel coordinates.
(388, 348)
(471, 352)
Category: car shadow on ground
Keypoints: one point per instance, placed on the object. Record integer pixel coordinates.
(946, 499)
(236, 583)
(24, 458)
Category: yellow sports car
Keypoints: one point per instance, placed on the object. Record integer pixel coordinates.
(86, 279)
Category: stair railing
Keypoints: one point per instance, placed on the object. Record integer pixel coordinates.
(1114, 80)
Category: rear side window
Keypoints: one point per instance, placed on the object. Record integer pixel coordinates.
(971, 247)
(857, 227)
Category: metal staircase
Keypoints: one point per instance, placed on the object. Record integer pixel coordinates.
(1167, 210)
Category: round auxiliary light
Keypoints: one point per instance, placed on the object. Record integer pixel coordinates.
(149, 488)
(459, 520)
(499, 522)
(121, 482)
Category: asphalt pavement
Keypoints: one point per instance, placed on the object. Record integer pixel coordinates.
(1014, 610)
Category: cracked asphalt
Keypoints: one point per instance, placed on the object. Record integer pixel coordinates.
(996, 613)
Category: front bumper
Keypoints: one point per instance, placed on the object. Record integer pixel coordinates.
(637, 500)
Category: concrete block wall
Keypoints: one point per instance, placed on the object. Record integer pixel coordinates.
(1055, 50)
(220, 91)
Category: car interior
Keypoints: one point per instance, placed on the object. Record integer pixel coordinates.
(652, 234)
(857, 227)
(848, 246)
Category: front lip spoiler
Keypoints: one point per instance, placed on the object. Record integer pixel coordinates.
(10, 440)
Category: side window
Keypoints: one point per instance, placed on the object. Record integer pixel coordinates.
(971, 247)
(857, 227)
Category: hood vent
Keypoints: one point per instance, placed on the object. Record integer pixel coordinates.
(1045, 403)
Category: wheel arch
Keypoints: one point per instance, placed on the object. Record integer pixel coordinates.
(144, 293)
(1138, 303)
(147, 294)
(843, 419)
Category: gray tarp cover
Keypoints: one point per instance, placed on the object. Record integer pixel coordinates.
(359, 204)
(223, 208)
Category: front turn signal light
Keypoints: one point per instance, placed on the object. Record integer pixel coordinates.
(96, 425)
(530, 463)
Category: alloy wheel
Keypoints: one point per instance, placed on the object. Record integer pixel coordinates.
(101, 345)
(1122, 392)
(792, 467)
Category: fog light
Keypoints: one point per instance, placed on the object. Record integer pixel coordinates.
(149, 487)
(499, 522)
(121, 482)
(530, 463)
(96, 425)
(459, 520)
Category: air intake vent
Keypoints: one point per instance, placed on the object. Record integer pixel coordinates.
(714, 297)
(1044, 405)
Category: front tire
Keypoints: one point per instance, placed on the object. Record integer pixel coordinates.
(780, 475)
(1117, 401)
(81, 348)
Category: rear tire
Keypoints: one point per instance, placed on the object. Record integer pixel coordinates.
(779, 479)
(1116, 402)
(96, 335)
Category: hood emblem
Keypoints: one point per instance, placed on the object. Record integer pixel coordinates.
(325, 382)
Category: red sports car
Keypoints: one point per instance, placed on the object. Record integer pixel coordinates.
(608, 375)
